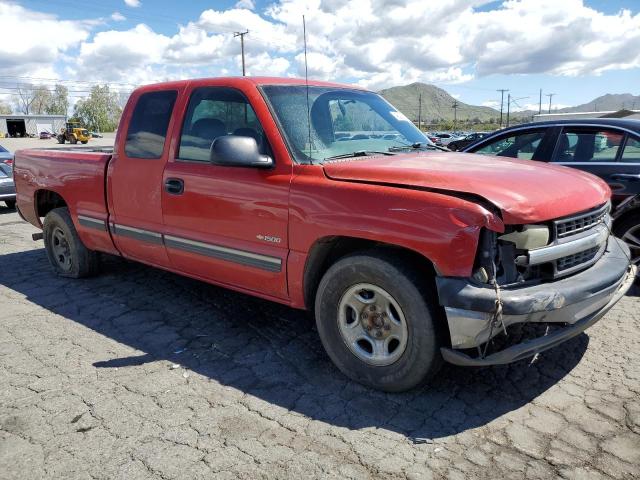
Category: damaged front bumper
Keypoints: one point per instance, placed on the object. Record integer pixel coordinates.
(578, 301)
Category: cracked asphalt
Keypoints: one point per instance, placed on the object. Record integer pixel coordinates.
(139, 373)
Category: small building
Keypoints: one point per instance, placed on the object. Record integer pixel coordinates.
(627, 114)
(25, 125)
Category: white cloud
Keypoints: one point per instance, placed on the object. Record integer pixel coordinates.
(246, 4)
(31, 42)
(375, 43)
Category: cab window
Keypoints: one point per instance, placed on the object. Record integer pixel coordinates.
(588, 145)
(517, 145)
(149, 123)
(212, 113)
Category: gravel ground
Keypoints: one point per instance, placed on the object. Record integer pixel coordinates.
(140, 373)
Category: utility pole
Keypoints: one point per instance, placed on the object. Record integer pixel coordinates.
(508, 109)
(455, 114)
(241, 35)
(501, 90)
(550, 95)
(540, 103)
(420, 112)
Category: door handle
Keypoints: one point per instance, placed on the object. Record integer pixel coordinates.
(174, 186)
(629, 177)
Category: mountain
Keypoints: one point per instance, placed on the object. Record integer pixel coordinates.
(437, 104)
(607, 102)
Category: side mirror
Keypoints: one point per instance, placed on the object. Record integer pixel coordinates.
(237, 151)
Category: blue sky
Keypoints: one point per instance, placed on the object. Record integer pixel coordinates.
(577, 49)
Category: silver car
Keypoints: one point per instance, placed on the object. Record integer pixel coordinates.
(7, 187)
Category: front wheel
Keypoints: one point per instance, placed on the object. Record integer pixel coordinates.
(74, 140)
(376, 321)
(67, 254)
(84, 142)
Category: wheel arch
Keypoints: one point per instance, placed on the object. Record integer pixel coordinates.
(46, 200)
(327, 250)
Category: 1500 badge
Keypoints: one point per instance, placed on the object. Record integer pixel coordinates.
(268, 238)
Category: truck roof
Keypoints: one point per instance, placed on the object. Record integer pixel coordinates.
(237, 81)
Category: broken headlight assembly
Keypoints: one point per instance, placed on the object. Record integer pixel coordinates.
(500, 256)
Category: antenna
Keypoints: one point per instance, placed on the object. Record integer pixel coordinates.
(306, 80)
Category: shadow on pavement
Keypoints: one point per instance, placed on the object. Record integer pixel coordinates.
(270, 351)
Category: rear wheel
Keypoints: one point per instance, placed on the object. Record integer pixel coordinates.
(11, 204)
(375, 319)
(629, 231)
(84, 142)
(67, 254)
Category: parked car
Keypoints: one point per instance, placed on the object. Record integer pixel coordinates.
(6, 156)
(46, 135)
(608, 148)
(7, 187)
(96, 135)
(443, 139)
(407, 258)
(465, 141)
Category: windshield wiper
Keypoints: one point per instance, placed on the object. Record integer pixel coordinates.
(359, 153)
(417, 146)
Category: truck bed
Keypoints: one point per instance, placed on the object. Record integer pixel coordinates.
(75, 174)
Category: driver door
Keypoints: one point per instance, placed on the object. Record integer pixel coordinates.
(227, 225)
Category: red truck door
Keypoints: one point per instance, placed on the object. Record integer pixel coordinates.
(225, 224)
(135, 177)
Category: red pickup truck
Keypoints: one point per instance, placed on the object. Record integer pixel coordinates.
(325, 197)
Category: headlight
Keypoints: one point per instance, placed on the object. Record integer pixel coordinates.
(531, 237)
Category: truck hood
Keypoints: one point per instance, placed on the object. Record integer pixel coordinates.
(525, 191)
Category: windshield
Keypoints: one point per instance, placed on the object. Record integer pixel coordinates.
(343, 121)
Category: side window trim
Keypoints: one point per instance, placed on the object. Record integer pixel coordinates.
(187, 105)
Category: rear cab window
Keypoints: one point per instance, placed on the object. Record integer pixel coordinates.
(149, 123)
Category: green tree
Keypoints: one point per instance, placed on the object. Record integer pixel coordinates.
(59, 101)
(100, 110)
(41, 98)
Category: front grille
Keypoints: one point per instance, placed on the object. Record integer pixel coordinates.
(565, 263)
(579, 223)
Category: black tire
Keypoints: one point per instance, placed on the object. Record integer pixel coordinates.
(73, 140)
(421, 358)
(61, 139)
(11, 204)
(77, 261)
(84, 142)
(630, 225)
